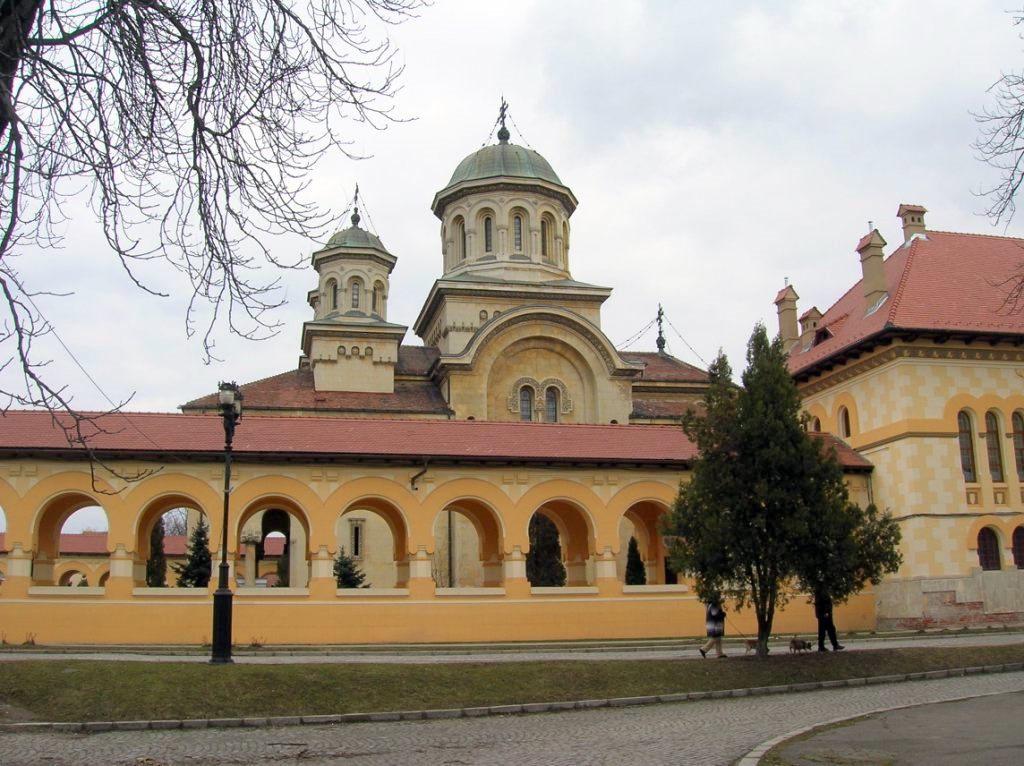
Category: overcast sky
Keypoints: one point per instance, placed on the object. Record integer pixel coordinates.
(715, 149)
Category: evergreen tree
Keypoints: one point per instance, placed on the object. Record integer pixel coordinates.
(195, 572)
(763, 497)
(347, 573)
(156, 565)
(544, 561)
(636, 573)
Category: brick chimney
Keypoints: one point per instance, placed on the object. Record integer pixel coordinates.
(809, 326)
(785, 303)
(872, 263)
(913, 221)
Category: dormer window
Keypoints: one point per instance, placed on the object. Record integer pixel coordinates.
(821, 335)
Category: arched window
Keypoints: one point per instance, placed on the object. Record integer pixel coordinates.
(816, 425)
(994, 447)
(526, 403)
(378, 299)
(356, 289)
(844, 423)
(545, 232)
(551, 405)
(462, 240)
(963, 425)
(332, 293)
(1018, 443)
(1018, 547)
(517, 233)
(988, 549)
(488, 235)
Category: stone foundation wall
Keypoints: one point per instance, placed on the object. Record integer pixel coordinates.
(980, 598)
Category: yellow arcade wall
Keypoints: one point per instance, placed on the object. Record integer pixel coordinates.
(588, 506)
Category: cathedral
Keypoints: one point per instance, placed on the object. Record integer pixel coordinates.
(428, 464)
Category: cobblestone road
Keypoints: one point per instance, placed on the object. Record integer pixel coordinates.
(713, 732)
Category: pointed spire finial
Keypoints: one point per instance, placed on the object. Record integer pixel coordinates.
(503, 133)
(355, 208)
(661, 334)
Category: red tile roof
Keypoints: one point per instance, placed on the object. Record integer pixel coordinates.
(293, 390)
(943, 283)
(664, 368)
(157, 436)
(341, 439)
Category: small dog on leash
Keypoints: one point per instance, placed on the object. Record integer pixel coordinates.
(750, 644)
(799, 645)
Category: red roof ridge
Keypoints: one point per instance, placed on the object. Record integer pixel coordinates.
(973, 234)
(897, 294)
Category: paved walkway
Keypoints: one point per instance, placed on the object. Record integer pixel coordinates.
(454, 654)
(715, 731)
(985, 730)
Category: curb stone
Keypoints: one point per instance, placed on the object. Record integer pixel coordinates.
(92, 727)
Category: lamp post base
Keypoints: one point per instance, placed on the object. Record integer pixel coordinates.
(222, 598)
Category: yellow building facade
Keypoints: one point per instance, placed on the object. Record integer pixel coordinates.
(424, 463)
(919, 367)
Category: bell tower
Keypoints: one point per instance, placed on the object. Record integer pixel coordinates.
(349, 344)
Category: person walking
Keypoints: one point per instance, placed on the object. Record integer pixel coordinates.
(823, 611)
(714, 617)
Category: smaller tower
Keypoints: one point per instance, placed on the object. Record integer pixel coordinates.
(350, 345)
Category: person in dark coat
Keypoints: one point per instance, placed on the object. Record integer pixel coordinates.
(714, 617)
(823, 611)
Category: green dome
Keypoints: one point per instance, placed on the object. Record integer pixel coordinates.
(355, 237)
(504, 159)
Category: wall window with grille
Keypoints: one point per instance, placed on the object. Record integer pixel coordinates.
(356, 537)
(988, 549)
(1017, 422)
(845, 428)
(488, 235)
(378, 299)
(545, 233)
(993, 445)
(332, 294)
(551, 405)
(526, 403)
(966, 440)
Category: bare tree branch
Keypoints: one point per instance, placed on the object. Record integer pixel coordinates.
(194, 125)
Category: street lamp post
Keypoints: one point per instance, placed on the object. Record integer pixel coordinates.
(231, 411)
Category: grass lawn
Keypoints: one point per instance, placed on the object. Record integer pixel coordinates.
(82, 690)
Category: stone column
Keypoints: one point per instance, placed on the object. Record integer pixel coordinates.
(421, 581)
(121, 580)
(606, 575)
(18, 577)
(514, 564)
(322, 583)
(250, 564)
